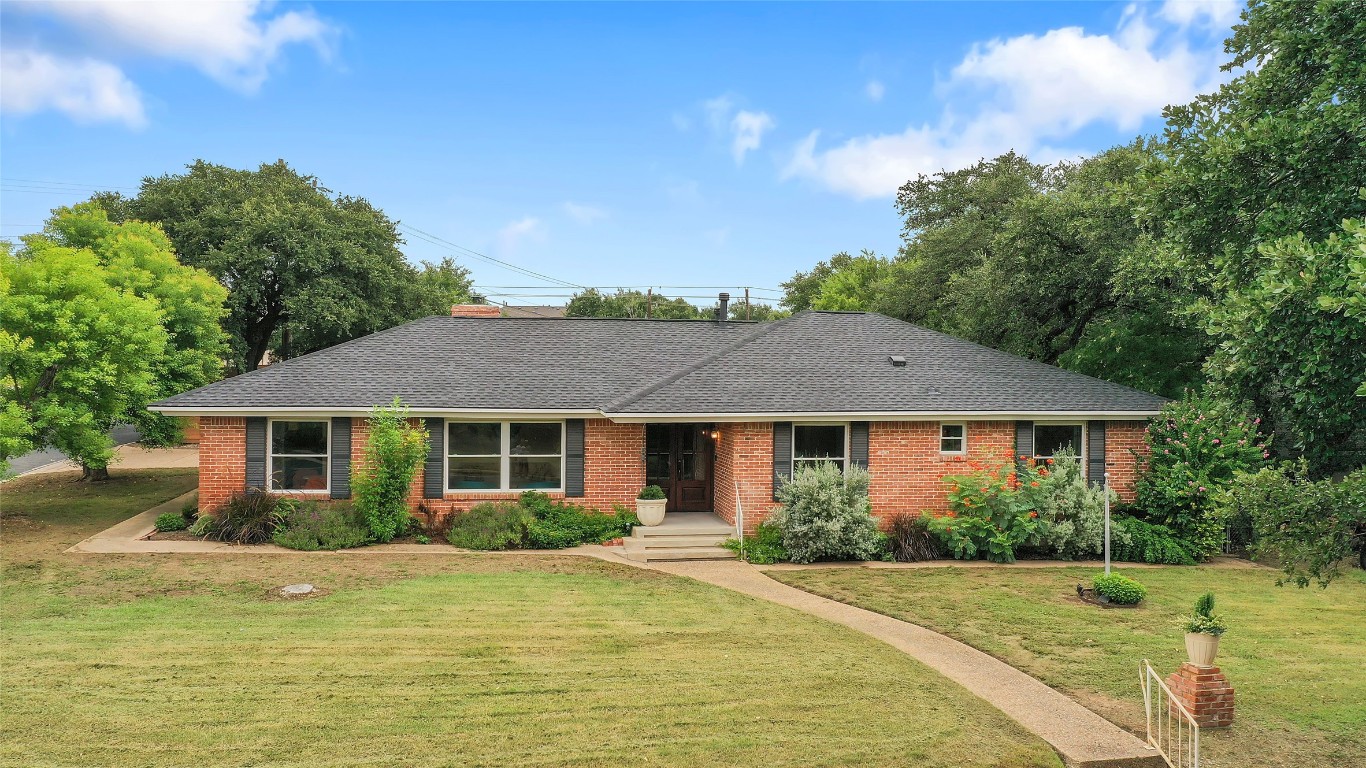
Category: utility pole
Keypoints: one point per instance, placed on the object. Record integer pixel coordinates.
(649, 299)
(747, 304)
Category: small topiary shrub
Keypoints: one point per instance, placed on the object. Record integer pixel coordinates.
(910, 540)
(248, 518)
(1135, 541)
(1120, 590)
(171, 521)
(394, 450)
(1205, 620)
(765, 547)
(651, 493)
(489, 526)
(311, 526)
(825, 515)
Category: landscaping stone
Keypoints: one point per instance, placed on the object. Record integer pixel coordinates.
(296, 590)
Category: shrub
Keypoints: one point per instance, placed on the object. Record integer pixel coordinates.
(171, 521)
(990, 514)
(1204, 619)
(651, 493)
(423, 538)
(489, 526)
(1310, 527)
(1120, 590)
(909, 539)
(557, 525)
(203, 526)
(248, 518)
(765, 547)
(825, 515)
(1196, 447)
(311, 526)
(1072, 509)
(394, 450)
(1136, 541)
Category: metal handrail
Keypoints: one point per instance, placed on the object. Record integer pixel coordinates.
(739, 521)
(1178, 742)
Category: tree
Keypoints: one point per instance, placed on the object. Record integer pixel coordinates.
(630, 304)
(138, 259)
(77, 353)
(304, 270)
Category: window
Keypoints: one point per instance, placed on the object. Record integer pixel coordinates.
(1050, 439)
(298, 455)
(505, 456)
(953, 438)
(813, 443)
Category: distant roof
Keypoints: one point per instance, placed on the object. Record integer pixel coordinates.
(813, 363)
(532, 310)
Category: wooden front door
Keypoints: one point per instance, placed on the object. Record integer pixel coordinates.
(678, 459)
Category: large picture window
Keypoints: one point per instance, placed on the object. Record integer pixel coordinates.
(298, 455)
(813, 443)
(1051, 439)
(505, 456)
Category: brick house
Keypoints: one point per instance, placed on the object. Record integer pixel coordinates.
(716, 412)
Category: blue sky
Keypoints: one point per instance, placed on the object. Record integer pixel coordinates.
(699, 144)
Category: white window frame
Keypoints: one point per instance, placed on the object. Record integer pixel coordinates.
(844, 460)
(963, 439)
(1081, 449)
(326, 456)
(505, 457)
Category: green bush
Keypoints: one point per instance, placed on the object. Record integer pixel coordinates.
(171, 521)
(1197, 445)
(203, 526)
(765, 547)
(490, 526)
(1136, 541)
(991, 513)
(1309, 527)
(651, 493)
(825, 515)
(1120, 590)
(394, 450)
(1072, 510)
(1204, 619)
(910, 540)
(557, 525)
(312, 526)
(248, 518)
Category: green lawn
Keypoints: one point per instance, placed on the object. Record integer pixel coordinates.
(1296, 658)
(171, 660)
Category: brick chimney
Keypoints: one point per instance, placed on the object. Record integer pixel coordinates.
(476, 310)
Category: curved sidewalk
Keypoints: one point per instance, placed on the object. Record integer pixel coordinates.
(1080, 736)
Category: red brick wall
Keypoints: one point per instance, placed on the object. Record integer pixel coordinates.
(1123, 440)
(222, 459)
(907, 468)
(744, 455)
(476, 310)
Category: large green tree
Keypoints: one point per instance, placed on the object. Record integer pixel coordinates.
(304, 268)
(625, 303)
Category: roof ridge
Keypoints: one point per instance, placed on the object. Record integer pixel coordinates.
(761, 330)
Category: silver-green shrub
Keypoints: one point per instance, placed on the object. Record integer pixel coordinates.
(826, 515)
(1073, 510)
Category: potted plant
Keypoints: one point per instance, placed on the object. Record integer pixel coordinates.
(1203, 629)
(650, 504)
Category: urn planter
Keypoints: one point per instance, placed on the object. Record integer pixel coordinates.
(1201, 648)
(650, 511)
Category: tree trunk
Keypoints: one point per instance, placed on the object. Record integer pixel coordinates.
(91, 474)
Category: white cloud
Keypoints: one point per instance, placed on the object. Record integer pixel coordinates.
(85, 90)
(875, 90)
(718, 111)
(584, 214)
(747, 131)
(233, 41)
(1024, 93)
(527, 228)
(1211, 13)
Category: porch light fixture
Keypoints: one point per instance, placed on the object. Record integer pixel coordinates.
(714, 434)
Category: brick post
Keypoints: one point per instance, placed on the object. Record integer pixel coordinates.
(1206, 694)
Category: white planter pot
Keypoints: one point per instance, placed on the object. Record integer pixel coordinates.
(650, 511)
(1201, 648)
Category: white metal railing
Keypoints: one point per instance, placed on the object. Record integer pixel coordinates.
(1171, 727)
(739, 521)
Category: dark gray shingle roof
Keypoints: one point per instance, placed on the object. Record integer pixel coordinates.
(813, 362)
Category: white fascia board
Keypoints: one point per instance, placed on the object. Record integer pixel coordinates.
(637, 418)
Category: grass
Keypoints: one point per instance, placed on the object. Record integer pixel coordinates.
(1295, 657)
(173, 660)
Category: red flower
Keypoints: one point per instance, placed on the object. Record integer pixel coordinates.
(1034, 514)
(1034, 483)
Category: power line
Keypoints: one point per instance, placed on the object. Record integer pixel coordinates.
(435, 240)
(78, 185)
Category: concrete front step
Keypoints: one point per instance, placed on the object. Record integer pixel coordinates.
(688, 529)
(651, 555)
(679, 541)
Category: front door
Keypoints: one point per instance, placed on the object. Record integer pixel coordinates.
(678, 459)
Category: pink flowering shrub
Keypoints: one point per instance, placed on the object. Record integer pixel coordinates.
(1197, 445)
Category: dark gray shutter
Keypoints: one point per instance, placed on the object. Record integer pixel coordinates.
(1024, 441)
(573, 458)
(858, 443)
(433, 472)
(1095, 452)
(782, 454)
(256, 454)
(340, 469)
